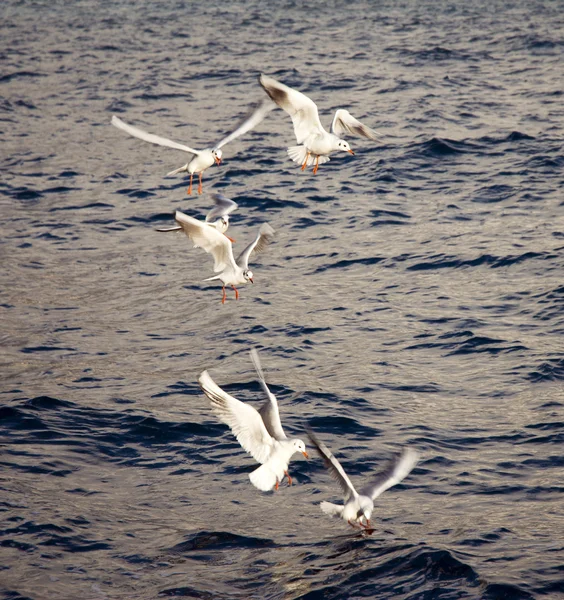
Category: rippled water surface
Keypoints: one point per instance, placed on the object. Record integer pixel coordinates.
(414, 296)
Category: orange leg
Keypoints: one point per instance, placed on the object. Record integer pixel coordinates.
(190, 186)
(316, 164)
(224, 295)
(289, 478)
(305, 161)
(236, 292)
(277, 485)
(200, 184)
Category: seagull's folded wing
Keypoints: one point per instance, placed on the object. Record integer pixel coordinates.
(209, 239)
(398, 469)
(302, 109)
(150, 137)
(344, 123)
(243, 419)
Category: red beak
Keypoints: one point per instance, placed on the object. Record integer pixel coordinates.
(350, 152)
(305, 454)
(218, 160)
(251, 279)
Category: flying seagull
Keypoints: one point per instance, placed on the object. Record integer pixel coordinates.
(357, 505)
(315, 143)
(249, 427)
(202, 159)
(230, 271)
(217, 217)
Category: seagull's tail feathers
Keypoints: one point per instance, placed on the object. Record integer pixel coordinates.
(333, 510)
(210, 278)
(298, 154)
(264, 478)
(179, 170)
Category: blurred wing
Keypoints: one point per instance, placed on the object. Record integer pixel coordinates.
(398, 469)
(209, 239)
(243, 419)
(149, 137)
(334, 467)
(344, 122)
(302, 109)
(265, 236)
(269, 410)
(250, 121)
(223, 206)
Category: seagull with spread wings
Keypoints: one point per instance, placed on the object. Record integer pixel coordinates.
(202, 159)
(359, 505)
(315, 143)
(230, 271)
(251, 430)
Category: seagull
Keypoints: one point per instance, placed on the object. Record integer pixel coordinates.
(203, 159)
(358, 505)
(313, 139)
(250, 429)
(230, 271)
(218, 216)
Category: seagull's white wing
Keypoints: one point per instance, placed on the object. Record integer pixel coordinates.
(250, 121)
(344, 122)
(264, 237)
(397, 470)
(302, 109)
(243, 419)
(334, 467)
(209, 239)
(269, 410)
(223, 206)
(149, 137)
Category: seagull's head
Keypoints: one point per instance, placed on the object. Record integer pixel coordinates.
(223, 223)
(344, 146)
(217, 154)
(299, 446)
(248, 275)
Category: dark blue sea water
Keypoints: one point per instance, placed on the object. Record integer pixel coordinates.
(414, 296)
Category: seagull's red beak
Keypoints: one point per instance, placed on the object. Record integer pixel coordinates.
(350, 152)
(305, 454)
(251, 279)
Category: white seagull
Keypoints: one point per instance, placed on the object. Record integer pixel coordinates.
(203, 159)
(250, 430)
(217, 217)
(358, 505)
(230, 271)
(313, 139)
